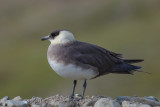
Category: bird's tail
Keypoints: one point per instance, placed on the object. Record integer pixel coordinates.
(130, 61)
(125, 68)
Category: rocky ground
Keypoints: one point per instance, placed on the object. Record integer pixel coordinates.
(88, 101)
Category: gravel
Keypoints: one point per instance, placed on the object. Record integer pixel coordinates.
(88, 101)
(106, 102)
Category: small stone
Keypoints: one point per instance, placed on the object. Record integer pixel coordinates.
(78, 96)
(35, 105)
(135, 104)
(106, 102)
(53, 103)
(57, 95)
(11, 103)
(35, 100)
(89, 103)
(151, 98)
(39, 105)
(4, 99)
(92, 97)
(44, 105)
(67, 104)
(18, 98)
(26, 102)
(120, 99)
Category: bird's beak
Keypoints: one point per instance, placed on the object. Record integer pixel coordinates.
(45, 38)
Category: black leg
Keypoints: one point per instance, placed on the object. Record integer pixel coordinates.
(84, 87)
(74, 85)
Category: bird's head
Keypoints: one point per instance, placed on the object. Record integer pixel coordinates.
(60, 37)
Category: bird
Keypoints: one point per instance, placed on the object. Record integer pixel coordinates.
(76, 60)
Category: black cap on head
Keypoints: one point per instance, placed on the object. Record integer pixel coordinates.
(53, 34)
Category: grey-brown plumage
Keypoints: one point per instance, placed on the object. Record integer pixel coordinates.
(79, 60)
(88, 55)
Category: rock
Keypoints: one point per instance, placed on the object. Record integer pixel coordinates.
(89, 103)
(62, 103)
(67, 104)
(54, 104)
(106, 102)
(120, 99)
(35, 100)
(26, 102)
(134, 104)
(44, 105)
(11, 103)
(18, 98)
(4, 99)
(78, 96)
(57, 95)
(39, 105)
(59, 101)
(35, 105)
(151, 98)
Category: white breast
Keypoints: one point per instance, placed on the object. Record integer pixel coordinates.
(71, 71)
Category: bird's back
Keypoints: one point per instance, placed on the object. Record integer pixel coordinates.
(90, 56)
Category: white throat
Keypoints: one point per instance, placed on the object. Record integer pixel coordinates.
(63, 38)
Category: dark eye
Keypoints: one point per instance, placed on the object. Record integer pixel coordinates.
(54, 34)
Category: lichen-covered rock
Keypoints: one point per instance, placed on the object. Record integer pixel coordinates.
(87, 101)
(35, 105)
(39, 105)
(34, 101)
(12, 103)
(133, 104)
(151, 98)
(18, 98)
(151, 102)
(4, 99)
(67, 104)
(106, 102)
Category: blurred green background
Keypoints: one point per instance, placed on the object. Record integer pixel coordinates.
(131, 27)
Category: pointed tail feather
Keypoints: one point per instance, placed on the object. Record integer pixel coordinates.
(125, 68)
(130, 61)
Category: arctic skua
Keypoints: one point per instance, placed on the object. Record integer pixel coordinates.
(77, 60)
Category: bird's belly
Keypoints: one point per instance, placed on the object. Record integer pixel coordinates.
(71, 71)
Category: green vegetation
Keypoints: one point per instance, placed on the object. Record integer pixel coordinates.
(128, 27)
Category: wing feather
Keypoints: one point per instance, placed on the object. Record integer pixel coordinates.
(93, 55)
